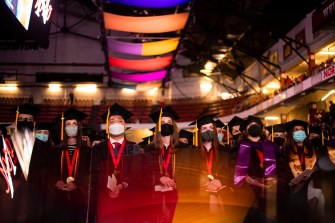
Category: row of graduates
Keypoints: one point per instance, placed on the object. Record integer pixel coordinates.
(248, 180)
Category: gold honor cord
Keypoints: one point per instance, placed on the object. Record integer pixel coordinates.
(227, 134)
(62, 128)
(160, 120)
(61, 165)
(108, 113)
(322, 138)
(16, 117)
(196, 133)
(272, 134)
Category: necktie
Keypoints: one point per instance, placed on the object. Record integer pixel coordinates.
(116, 148)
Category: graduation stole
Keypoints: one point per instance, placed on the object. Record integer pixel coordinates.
(164, 163)
(209, 163)
(116, 160)
(72, 164)
(295, 164)
(331, 152)
(243, 159)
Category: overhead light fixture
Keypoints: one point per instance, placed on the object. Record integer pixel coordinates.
(271, 118)
(273, 85)
(54, 87)
(210, 65)
(8, 87)
(218, 56)
(327, 52)
(86, 88)
(327, 95)
(128, 91)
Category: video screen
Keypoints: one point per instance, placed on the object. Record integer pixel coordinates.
(22, 10)
(26, 20)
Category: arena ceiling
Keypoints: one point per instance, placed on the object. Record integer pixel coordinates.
(238, 30)
(241, 30)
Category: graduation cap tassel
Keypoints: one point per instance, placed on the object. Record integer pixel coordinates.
(62, 129)
(227, 134)
(196, 134)
(149, 140)
(16, 117)
(322, 138)
(272, 134)
(108, 112)
(160, 120)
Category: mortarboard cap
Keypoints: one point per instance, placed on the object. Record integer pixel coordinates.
(44, 126)
(235, 121)
(315, 129)
(147, 140)
(276, 128)
(249, 120)
(73, 113)
(185, 134)
(167, 111)
(26, 109)
(295, 122)
(116, 109)
(3, 128)
(205, 119)
(219, 123)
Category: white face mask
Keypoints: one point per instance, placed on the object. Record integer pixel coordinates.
(71, 130)
(116, 129)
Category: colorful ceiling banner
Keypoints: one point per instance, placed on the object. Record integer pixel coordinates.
(150, 3)
(146, 24)
(140, 77)
(142, 65)
(144, 49)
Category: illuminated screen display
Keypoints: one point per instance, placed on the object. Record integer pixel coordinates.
(22, 20)
(22, 10)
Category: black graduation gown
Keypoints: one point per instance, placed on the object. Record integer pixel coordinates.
(121, 209)
(70, 206)
(162, 205)
(213, 206)
(7, 210)
(297, 206)
(31, 205)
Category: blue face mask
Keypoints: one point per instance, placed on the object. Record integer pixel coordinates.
(220, 137)
(299, 136)
(42, 137)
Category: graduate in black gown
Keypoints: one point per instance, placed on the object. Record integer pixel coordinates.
(116, 172)
(166, 161)
(70, 171)
(277, 134)
(39, 173)
(7, 176)
(219, 129)
(185, 138)
(256, 170)
(27, 153)
(213, 192)
(303, 205)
